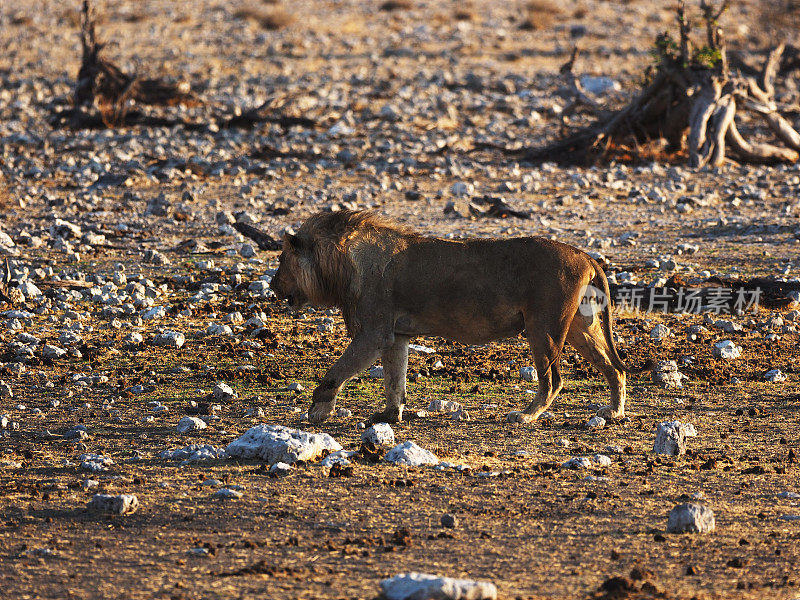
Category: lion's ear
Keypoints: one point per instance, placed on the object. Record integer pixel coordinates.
(297, 243)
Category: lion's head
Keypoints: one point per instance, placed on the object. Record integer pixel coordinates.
(318, 264)
(296, 281)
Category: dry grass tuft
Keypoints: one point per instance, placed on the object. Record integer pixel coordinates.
(540, 14)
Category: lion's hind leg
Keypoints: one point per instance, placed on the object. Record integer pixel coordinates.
(546, 350)
(586, 336)
(395, 368)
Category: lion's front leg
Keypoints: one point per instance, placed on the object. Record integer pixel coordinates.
(360, 354)
(395, 367)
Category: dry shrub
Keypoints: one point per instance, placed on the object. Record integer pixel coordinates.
(391, 5)
(277, 18)
(540, 14)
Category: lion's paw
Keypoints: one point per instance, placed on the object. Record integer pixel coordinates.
(320, 411)
(516, 416)
(608, 412)
(388, 415)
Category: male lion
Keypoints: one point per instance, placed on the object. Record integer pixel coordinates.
(392, 284)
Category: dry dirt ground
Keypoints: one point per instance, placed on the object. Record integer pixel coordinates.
(452, 75)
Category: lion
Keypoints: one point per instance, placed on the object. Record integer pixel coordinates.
(393, 284)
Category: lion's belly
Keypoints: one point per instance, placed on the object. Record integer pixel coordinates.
(465, 326)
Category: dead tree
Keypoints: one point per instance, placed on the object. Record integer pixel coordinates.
(103, 84)
(101, 81)
(691, 103)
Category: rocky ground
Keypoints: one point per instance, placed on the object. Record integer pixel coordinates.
(134, 297)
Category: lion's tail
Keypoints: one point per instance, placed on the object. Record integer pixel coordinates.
(599, 281)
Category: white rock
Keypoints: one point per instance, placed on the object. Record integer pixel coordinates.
(341, 457)
(29, 289)
(189, 424)
(227, 494)
(134, 339)
(660, 332)
(775, 376)
(577, 462)
(411, 455)
(170, 339)
(193, 453)
(121, 504)
(691, 518)
(218, 329)
(65, 229)
(95, 462)
(666, 374)
(460, 415)
(380, 434)
(235, 317)
(280, 469)
(420, 586)
(602, 460)
(295, 387)
(69, 338)
(671, 438)
(599, 85)
(255, 412)
(726, 349)
(596, 423)
(343, 413)
(727, 326)
(223, 392)
(376, 372)
(157, 312)
(419, 349)
(461, 189)
(275, 443)
(253, 323)
(439, 405)
(528, 373)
